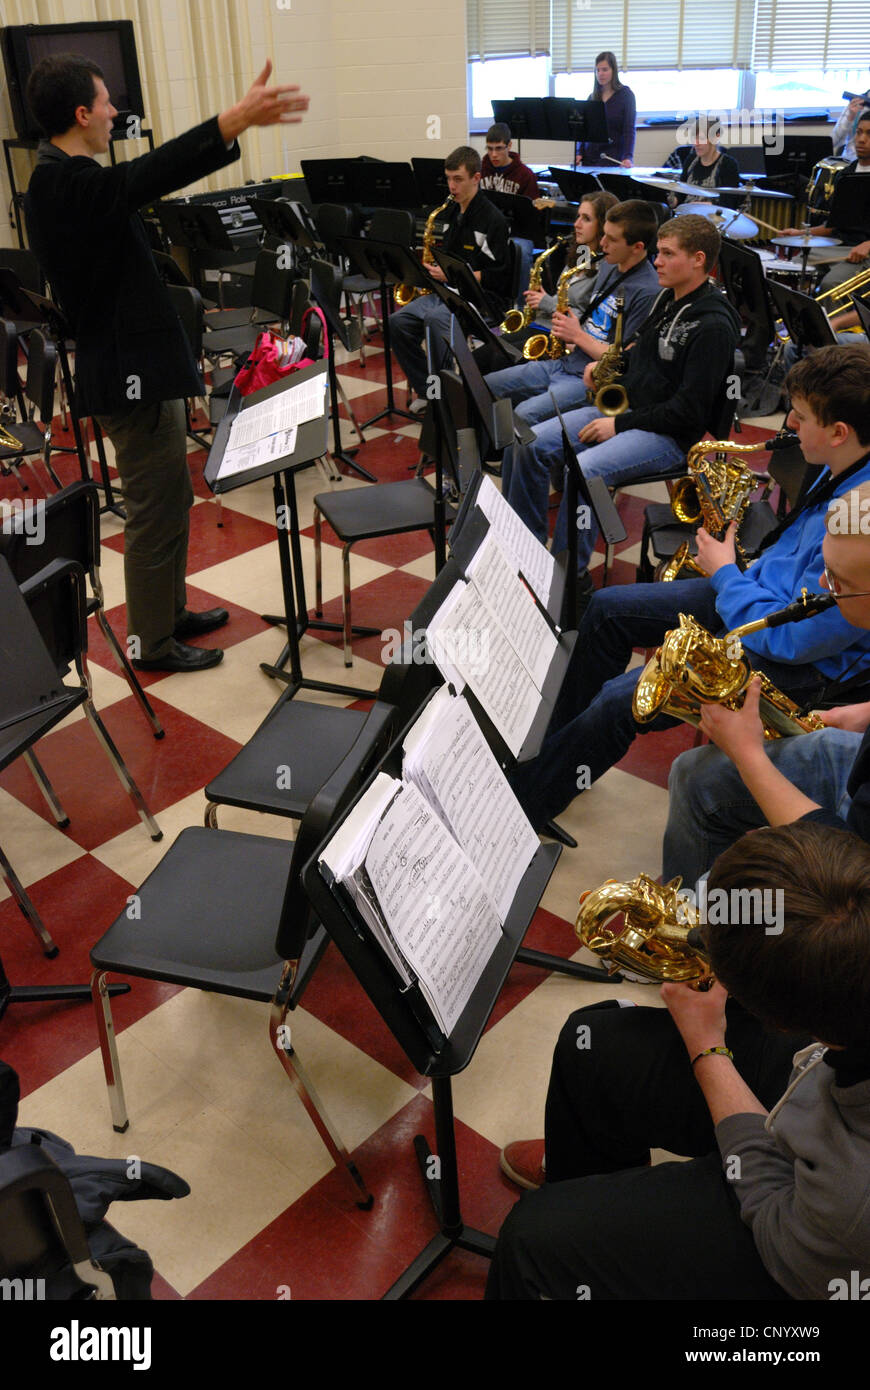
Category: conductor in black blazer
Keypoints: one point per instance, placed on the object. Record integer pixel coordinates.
(134, 366)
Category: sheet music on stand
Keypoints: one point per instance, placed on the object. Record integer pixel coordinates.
(280, 426)
(540, 569)
(432, 859)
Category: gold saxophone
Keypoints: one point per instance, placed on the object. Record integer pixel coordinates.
(693, 668)
(403, 294)
(547, 344)
(653, 944)
(715, 492)
(606, 393)
(515, 320)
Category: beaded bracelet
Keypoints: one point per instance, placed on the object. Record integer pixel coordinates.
(714, 1052)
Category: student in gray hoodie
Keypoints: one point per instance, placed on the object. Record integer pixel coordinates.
(775, 1202)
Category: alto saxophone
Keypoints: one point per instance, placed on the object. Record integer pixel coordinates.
(607, 394)
(515, 320)
(692, 668)
(716, 492)
(547, 344)
(403, 294)
(655, 943)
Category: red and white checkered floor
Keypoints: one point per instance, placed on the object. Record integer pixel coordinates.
(267, 1212)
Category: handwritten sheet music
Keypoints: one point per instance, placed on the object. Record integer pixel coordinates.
(292, 407)
(452, 765)
(464, 636)
(533, 560)
(508, 599)
(434, 902)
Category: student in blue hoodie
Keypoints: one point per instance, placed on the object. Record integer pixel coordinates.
(774, 1203)
(593, 725)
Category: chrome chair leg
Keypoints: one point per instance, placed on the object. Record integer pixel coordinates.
(109, 1051)
(211, 811)
(124, 777)
(345, 603)
(289, 1060)
(129, 674)
(34, 921)
(40, 777)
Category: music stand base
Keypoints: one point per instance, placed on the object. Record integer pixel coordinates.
(459, 1238)
(298, 683)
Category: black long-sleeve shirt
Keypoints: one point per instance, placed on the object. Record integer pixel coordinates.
(480, 236)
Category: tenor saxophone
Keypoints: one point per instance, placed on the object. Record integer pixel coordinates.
(403, 294)
(607, 394)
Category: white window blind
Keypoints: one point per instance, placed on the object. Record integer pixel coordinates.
(508, 28)
(649, 34)
(816, 34)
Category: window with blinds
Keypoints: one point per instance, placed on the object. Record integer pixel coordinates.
(813, 34)
(650, 34)
(507, 28)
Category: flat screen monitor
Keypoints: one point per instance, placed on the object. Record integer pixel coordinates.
(111, 44)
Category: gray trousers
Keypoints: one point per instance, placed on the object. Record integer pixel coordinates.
(151, 457)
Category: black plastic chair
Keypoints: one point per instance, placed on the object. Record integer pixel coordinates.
(225, 912)
(40, 645)
(33, 438)
(71, 522)
(41, 1231)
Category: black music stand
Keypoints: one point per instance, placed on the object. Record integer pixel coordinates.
(286, 222)
(429, 1051)
(862, 309)
(311, 443)
(581, 122)
(461, 280)
(431, 181)
(523, 218)
(384, 184)
(496, 418)
(526, 117)
(330, 180)
(326, 293)
(805, 320)
(367, 258)
(574, 184)
(198, 229)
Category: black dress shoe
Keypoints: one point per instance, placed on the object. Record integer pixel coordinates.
(181, 657)
(195, 624)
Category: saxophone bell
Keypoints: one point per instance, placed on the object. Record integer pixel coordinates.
(612, 399)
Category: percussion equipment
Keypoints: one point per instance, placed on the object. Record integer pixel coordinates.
(820, 188)
(735, 225)
(690, 190)
(805, 241)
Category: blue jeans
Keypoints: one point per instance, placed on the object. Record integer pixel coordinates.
(593, 725)
(530, 384)
(525, 472)
(710, 807)
(408, 330)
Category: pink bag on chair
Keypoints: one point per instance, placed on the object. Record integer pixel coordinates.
(273, 357)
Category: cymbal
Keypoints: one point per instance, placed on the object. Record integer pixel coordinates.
(754, 192)
(691, 190)
(734, 225)
(805, 240)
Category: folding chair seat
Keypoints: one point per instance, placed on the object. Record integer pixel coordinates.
(362, 514)
(71, 522)
(225, 912)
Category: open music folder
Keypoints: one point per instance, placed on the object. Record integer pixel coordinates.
(278, 427)
(433, 859)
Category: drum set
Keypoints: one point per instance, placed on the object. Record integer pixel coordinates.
(795, 258)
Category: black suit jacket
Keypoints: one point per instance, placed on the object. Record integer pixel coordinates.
(84, 226)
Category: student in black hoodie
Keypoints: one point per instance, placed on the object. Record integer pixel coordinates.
(676, 379)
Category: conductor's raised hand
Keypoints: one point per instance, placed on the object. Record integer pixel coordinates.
(263, 105)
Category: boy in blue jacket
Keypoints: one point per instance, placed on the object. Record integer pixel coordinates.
(593, 725)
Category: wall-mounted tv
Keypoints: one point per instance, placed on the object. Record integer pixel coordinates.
(110, 43)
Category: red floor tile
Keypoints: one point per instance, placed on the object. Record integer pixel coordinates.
(165, 771)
